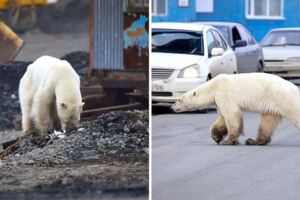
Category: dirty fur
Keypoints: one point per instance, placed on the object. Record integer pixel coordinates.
(234, 94)
(50, 97)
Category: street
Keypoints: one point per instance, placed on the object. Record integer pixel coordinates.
(187, 164)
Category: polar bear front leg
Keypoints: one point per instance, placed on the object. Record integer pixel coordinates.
(218, 129)
(41, 112)
(234, 124)
(267, 127)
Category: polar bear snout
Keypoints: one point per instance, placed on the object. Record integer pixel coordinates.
(175, 108)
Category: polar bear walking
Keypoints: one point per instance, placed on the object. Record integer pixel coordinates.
(50, 97)
(267, 94)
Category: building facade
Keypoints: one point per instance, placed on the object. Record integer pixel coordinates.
(259, 16)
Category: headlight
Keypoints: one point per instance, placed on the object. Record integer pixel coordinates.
(294, 59)
(190, 72)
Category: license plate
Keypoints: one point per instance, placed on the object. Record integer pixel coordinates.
(158, 87)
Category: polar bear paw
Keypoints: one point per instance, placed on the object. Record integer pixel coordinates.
(229, 142)
(250, 141)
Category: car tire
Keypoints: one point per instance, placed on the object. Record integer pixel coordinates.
(259, 67)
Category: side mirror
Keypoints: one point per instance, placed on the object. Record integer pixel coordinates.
(217, 52)
(240, 43)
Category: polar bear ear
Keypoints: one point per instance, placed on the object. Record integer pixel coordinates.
(63, 105)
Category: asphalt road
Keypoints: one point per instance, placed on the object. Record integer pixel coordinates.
(188, 165)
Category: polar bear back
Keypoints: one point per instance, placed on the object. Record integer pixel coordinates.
(47, 66)
(257, 91)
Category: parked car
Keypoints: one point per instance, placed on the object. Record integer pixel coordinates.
(185, 55)
(281, 48)
(248, 52)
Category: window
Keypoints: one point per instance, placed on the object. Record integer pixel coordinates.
(205, 6)
(246, 35)
(159, 7)
(210, 42)
(220, 43)
(180, 42)
(264, 9)
(183, 3)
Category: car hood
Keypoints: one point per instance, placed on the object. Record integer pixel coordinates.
(173, 61)
(281, 52)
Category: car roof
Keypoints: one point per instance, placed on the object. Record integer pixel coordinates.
(286, 29)
(218, 23)
(178, 25)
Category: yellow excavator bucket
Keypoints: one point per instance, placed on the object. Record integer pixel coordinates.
(4, 3)
(9, 42)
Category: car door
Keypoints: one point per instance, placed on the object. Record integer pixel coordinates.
(227, 64)
(214, 62)
(252, 50)
(241, 52)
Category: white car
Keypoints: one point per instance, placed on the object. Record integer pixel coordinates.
(281, 48)
(186, 55)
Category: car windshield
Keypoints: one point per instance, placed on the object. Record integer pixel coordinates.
(282, 38)
(181, 42)
(224, 30)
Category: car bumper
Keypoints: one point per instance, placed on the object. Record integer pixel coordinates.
(170, 90)
(281, 67)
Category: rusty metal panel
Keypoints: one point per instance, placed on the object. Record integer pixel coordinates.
(136, 37)
(108, 34)
(10, 43)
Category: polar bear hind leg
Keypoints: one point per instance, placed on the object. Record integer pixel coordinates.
(268, 124)
(26, 99)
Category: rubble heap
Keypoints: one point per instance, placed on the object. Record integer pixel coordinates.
(118, 135)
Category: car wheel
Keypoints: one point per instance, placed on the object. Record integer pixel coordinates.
(208, 77)
(259, 67)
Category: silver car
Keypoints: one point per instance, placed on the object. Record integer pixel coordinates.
(281, 47)
(248, 52)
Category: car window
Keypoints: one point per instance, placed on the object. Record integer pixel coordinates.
(210, 41)
(220, 43)
(282, 38)
(244, 34)
(181, 42)
(224, 30)
(235, 35)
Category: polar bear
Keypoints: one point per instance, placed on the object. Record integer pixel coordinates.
(50, 97)
(232, 95)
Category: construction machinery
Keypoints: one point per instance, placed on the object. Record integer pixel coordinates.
(20, 14)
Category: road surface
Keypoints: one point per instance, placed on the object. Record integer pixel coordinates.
(188, 165)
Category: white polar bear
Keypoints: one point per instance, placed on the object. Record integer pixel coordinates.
(50, 97)
(267, 94)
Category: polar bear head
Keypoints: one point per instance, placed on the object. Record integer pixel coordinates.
(69, 114)
(196, 99)
(186, 102)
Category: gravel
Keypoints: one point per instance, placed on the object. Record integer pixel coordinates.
(117, 135)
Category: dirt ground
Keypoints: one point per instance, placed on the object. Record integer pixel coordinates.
(38, 43)
(85, 180)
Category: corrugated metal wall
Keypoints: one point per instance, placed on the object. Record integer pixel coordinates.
(108, 34)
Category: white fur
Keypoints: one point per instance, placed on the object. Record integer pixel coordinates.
(48, 84)
(254, 92)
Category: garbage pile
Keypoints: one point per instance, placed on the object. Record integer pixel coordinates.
(10, 75)
(122, 135)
